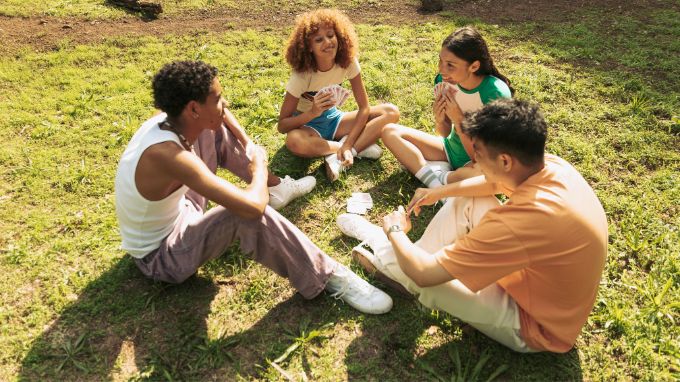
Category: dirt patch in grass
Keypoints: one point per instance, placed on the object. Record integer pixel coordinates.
(44, 33)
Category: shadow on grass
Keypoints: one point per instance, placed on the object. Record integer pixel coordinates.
(401, 348)
(126, 326)
(283, 163)
(122, 312)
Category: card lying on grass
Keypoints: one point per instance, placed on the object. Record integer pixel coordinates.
(359, 203)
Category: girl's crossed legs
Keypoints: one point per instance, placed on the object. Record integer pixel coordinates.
(306, 142)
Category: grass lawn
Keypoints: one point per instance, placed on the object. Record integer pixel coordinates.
(74, 307)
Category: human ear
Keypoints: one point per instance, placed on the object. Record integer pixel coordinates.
(474, 66)
(193, 109)
(506, 162)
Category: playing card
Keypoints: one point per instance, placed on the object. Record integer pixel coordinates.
(362, 197)
(356, 209)
(338, 94)
(439, 89)
(359, 203)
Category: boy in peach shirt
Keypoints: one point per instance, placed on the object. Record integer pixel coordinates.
(524, 273)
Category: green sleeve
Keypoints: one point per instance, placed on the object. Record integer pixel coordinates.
(438, 79)
(492, 89)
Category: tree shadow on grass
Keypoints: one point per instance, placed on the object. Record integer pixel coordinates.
(283, 163)
(126, 326)
(152, 326)
(417, 345)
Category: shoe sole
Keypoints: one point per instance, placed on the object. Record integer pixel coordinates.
(360, 255)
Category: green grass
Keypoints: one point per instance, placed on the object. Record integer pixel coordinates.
(74, 307)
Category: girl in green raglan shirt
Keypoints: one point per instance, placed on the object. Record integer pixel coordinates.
(469, 79)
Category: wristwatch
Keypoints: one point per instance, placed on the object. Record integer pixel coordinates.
(394, 228)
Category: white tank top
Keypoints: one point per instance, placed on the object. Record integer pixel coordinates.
(144, 223)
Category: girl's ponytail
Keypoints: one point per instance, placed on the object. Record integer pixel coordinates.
(494, 72)
(467, 43)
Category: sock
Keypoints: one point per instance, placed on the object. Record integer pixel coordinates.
(442, 176)
(428, 177)
(354, 152)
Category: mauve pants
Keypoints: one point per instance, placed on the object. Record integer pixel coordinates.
(201, 235)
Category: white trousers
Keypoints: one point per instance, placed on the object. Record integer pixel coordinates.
(491, 310)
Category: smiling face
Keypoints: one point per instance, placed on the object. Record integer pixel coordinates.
(453, 69)
(324, 44)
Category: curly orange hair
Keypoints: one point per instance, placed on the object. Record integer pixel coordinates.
(299, 54)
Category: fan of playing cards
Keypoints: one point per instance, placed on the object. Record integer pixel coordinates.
(440, 89)
(338, 94)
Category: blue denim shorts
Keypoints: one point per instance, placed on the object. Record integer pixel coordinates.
(327, 123)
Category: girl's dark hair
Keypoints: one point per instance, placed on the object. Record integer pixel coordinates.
(467, 44)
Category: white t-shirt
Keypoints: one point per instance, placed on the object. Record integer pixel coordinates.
(304, 85)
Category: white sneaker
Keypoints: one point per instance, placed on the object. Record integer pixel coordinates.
(357, 292)
(359, 228)
(371, 152)
(333, 167)
(371, 264)
(289, 189)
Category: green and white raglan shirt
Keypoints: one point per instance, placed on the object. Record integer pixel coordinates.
(490, 89)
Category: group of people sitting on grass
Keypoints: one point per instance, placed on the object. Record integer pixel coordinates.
(524, 272)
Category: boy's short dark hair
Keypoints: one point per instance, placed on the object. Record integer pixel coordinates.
(180, 82)
(510, 126)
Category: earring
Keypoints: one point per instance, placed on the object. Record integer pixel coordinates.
(195, 116)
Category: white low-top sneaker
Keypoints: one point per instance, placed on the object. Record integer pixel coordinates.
(358, 227)
(289, 189)
(371, 152)
(371, 264)
(333, 167)
(357, 292)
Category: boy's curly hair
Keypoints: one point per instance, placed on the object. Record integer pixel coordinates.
(300, 56)
(181, 82)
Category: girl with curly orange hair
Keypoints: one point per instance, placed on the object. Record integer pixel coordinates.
(322, 51)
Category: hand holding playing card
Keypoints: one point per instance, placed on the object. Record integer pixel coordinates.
(338, 94)
(438, 89)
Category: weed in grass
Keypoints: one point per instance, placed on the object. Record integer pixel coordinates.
(213, 353)
(471, 372)
(302, 338)
(71, 352)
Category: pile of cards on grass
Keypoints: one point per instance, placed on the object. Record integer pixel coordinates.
(359, 203)
(440, 89)
(338, 94)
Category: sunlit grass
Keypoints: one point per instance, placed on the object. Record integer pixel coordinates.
(70, 297)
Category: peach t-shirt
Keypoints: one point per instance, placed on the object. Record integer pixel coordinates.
(546, 247)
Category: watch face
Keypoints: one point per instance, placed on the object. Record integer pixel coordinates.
(395, 228)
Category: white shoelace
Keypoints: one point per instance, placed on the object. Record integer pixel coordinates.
(362, 287)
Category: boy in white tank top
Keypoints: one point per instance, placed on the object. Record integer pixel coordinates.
(167, 175)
